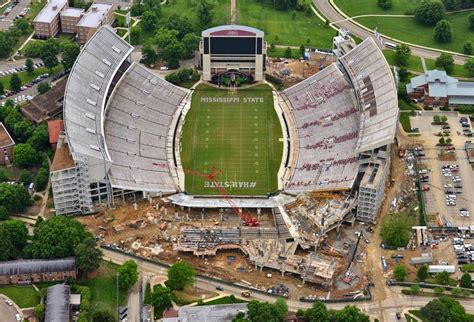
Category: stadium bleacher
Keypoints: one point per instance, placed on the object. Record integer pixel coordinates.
(137, 124)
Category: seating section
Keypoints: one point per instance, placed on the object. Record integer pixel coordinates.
(139, 116)
(376, 92)
(324, 109)
(86, 91)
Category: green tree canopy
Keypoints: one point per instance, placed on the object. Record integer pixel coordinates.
(23, 26)
(103, 316)
(88, 256)
(2, 88)
(430, 12)
(467, 48)
(422, 273)
(161, 297)
(22, 130)
(24, 155)
(149, 21)
(465, 280)
(191, 44)
(57, 237)
(14, 197)
(43, 87)
(3, 175)
(318, 312)
(469, 66)
(442, 278)
(30, 68)
(445, 61)
(25, 177)
(444, 309)
(69, 55)
(15, 82)
(128, 274)
(396, 230)
(17, 232)
(402, 53)
(349, 313)
(180, 275)
(40, 137)
(149, 54)
(204, 12)
(443, 31)
(400, 272)
(471, 21)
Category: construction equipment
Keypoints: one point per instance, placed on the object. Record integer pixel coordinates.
(245, 293)
(247, 218)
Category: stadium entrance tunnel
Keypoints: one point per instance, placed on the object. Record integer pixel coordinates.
(239, 133)
(232, 77)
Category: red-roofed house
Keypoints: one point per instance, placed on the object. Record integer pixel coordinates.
(54, 129)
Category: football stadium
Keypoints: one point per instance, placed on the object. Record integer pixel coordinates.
(131, 134)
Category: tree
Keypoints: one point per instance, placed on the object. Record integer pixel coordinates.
(2, 88)
(204, 12)
(8, 40)
(422, 273)
(448, 141)
(103, 316)
(40, 137)
(128, 274)
(456, 292)
(442, 278)
(287, 53)
(69, 55)
(293, 15)
(444, 309)
(149, 54)
(22, 131)
(402, 53)
(400, 272)
(41, 179)
(302, 50)
(43, 87)
(39, 311)
(467, 48)
(180, 275)
(135, 33)
(415, 289)
(465, 281)
(173, 53)
(180, 24)
(8, 250)
(403, 74)
(49, 60)
(23, 26)
(318, 312)
(25, 177)
(191, 44)
(17, 232)
(14, 197)
(161, 297)
(349, 313)
(281, 308)
(469, 66)
(262, 311)
(3, 213)
(24, 155)
(438, 290)
(149, 21)
(385, 4)
(88, 256)
(441, 141)
(15, 82)
(164, 37)
(471, 21)
(446, 62)
(430, 12)
(443, 31)
(57, 237)
(30, 68)
(34, 49)
(396, 231)
(3, 175)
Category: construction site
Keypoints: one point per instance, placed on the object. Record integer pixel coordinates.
(310, 246)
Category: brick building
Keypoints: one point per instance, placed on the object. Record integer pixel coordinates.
(37, 270)
(98, 15)
(435, 87)
(6, 146)
(55, 128)
(70, 17)
(47, 22)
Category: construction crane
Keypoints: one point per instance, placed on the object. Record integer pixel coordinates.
(247, 218)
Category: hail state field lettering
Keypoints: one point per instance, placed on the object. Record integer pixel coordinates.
(231, 184)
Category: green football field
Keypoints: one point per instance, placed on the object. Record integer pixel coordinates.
(239, 134)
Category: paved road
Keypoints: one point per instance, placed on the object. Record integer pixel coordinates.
(335, 17)
(7, 312)
(133, 303)
(385, 309)
(6, 22)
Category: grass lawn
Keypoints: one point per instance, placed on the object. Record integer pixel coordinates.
(27, 78)
(364, 7)
(23, 296)
(35, 8)
(280, 52)
(405, 121)
(409, 30)
(191, 295)
(103, 290)
(279, 23)
(241, 138)
(223, 300)
(188, 8)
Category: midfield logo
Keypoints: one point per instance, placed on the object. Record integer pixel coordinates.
(231, 184)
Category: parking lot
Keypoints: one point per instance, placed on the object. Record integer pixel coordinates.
(450, 184)
(8, 19)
